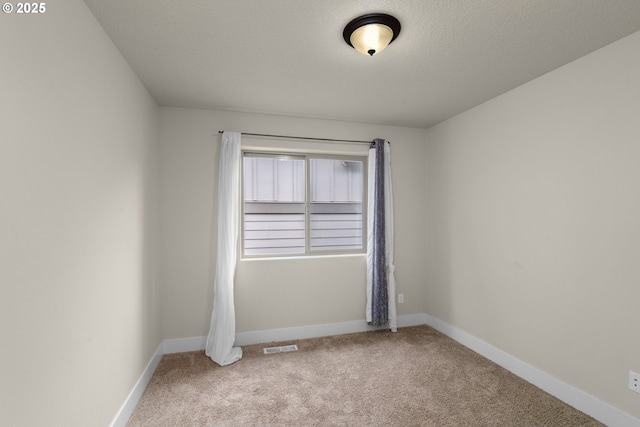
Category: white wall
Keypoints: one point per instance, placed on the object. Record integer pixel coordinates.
(534, 222)
(78, 166)
(275, 293)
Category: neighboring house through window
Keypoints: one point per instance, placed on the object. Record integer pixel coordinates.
(303, 204)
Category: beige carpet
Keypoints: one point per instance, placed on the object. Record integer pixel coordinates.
(415, 377)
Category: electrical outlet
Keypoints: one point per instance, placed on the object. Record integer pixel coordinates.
(400, 298)
(634, 381)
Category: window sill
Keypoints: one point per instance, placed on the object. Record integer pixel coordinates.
(303, 257)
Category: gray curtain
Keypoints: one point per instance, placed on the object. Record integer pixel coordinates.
(377, 242)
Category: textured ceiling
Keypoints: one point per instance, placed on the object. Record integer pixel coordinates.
(288, 56)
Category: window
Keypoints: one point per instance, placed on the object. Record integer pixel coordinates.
(302, 204)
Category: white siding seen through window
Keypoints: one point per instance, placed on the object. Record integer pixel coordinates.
(276, 207)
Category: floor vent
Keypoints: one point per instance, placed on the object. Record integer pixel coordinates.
(280, 349)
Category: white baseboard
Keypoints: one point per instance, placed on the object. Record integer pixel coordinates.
(322, 330)
(123, 415)
(577, 398)
(182, 345)
(573, 396)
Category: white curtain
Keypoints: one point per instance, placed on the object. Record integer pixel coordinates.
(372, 240)
(222, 330)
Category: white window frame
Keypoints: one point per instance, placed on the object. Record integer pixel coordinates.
(307, 156)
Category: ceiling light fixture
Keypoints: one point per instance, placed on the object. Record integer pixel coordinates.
(370, 34)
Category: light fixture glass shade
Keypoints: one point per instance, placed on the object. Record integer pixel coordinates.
(371, 39)
(370, 34)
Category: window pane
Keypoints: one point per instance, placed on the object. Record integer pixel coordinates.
(274, 205)
(336, 204)
(277, 210)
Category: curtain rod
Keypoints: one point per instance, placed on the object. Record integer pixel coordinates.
(306, 138)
